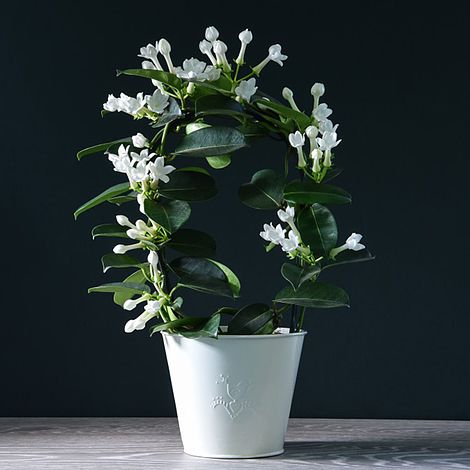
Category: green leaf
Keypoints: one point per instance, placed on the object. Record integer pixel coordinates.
(111, 192)
(250, 319)
(189, 185)
(211, 142)
(113, 260)
(122, 287)
(101, 148)
(226, 311)
(202, 275)
(264, 191)
(170, 214)
(209, 329)
(232, 278)
(314, 294)
(218, 105)
(159, 75)
(302, 120)
(192, 242)
(119, 200)
(318, 229)
(297, 275)
(172, 113)
(252, 130)
(349, 256)
(191, 327)
(136, 277)
(109, 230)
(219, 162)
(309, 192)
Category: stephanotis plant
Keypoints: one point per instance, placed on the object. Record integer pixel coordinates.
(190, 101)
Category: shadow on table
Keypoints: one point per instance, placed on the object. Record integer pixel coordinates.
(452, 450)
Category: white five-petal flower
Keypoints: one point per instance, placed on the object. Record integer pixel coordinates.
(151, 52)
(291, 243)
(273, 234)
(197, 70)
(159, 171)
(321, 112)
(246, 89)
(157, 102)
(328, 141)
(274, 55)
(352, 243)
(286, 215)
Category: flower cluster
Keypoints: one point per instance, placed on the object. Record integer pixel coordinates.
(138, 166)
(322, 134)
(139, 106)
(277, 235)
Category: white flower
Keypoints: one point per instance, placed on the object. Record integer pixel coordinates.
(245, 37)
(274, 54)
(317, 90)
(124, 221)
(164, 48)
(196, 70)
(152, 258)
(125, 103)
(291, 243)
(353, 240)
(327, 126)
(220, 48)
(321, 112)
(273, 234)
(246, 89)
(286, 215)
(157, 102)
(211, 34)
(139, 141)
(151, 52)
(352, 243)
(328, 141)
(312, 133)
(147, 65)
(316, 155)
(143, 156)
(113, 104)
(141, 202)
(297, 139)
(139, 322)
(159, 171)
(153, 306)
(131, 304)
(139, 172)
(121, 161)
(288, 95)
(121, 249)
(206, 48)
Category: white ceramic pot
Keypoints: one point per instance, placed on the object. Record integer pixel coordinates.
(233, 394)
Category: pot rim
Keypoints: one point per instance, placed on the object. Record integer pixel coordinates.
(283, 332)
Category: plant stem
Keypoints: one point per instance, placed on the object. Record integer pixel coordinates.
(301, 319)
(164, 135)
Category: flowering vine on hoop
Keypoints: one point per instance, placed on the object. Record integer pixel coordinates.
(188, 101)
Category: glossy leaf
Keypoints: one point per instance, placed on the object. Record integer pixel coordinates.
(250, 319)
(111, 192)
(159, 75)
(202, 275)
(349, 256)
(318, 229)
(119, 200)
(170, 214)
(120, 297)
(297, 275)
(264, 191)
(314, 294)
(309, 192)
(172, 113)
(191, 327)
(122, 287)
(113, 260)
(219, 162)
(189, 185)
(214, 105)
(232, 278)
(300, 118)
(109, 230)
(192, 242)
(102, 148)
(211, 142)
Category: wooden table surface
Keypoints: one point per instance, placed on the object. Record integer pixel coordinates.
(154, 443)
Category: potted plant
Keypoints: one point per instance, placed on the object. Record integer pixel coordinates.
(233, 384)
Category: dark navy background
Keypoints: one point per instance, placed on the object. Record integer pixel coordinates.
(397, 81)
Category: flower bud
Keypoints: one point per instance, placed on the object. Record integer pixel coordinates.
(152, 258)
(141, 225)
(123, 221)
(205, 46)
(139, 141)
(164, 47)
(245, 36)
(120, 249)
(318, 89)
(287, 93)
(134, 234)
(220, 47)
(212, 34)
(311, 132)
